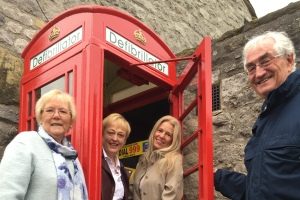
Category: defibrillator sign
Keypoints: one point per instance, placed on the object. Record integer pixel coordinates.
(57, 48)
(123, 43)
(133, 149)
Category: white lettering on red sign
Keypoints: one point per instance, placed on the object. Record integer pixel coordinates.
(134, 50)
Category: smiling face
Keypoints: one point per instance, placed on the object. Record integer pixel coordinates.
(114, 138)
(56, 119)
(163, 136)
(266, 79)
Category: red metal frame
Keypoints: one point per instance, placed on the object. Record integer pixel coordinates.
(200, 66)
(86, 60)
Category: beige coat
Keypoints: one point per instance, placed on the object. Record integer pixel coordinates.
(154, 183)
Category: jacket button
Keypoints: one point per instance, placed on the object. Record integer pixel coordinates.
(146, 177)
(144, 193)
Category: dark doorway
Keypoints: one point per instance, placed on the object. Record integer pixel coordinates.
(141, 121)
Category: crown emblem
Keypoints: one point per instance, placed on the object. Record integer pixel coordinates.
(54, 33)
(139, 36)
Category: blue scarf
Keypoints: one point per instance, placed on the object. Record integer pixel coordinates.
(69, 187)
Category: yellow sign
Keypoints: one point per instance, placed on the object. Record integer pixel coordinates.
(133, 149)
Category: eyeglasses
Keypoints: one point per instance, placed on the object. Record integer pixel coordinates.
(263, 62)
(62, 112)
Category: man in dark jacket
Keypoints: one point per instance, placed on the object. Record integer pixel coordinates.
(272, 155)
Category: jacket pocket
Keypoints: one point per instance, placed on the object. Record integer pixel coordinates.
(280, 177)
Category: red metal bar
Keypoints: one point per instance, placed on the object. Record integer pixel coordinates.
(163, 61)
(205, 148)
(199, 67)
(187, 77)
(190, 139)
(188, 109)
(190, 170)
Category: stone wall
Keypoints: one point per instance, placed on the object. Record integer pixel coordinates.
(10, 73)
(180, 23)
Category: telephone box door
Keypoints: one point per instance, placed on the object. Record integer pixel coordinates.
(192, 104)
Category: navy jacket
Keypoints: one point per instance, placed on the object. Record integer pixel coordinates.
(108, 183)
(272, 155)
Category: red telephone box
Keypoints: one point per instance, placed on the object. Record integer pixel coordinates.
(111, 62)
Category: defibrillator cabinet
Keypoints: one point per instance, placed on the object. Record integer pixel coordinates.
(111, 62)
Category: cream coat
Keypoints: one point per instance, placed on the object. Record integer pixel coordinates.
(154, 183)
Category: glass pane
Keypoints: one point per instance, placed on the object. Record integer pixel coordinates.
(71, 75)
(28, 125)
(56, 84)
(29, 103)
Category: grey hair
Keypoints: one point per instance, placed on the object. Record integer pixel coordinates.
(283, 45)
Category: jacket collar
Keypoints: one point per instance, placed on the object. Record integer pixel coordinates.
(278, 96)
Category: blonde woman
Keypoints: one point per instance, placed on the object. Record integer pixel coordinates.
(115, 183)
(159, 172)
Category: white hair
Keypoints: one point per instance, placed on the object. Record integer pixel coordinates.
(283, 45)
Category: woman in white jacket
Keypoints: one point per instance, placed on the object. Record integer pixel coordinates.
(43, 164)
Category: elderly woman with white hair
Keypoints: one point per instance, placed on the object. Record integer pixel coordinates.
(43, 164)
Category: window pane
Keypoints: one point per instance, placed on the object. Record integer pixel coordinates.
(56, 84)
(71, 83)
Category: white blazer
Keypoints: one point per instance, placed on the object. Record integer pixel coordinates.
(27, 169)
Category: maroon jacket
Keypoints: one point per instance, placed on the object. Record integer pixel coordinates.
(108, 183)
